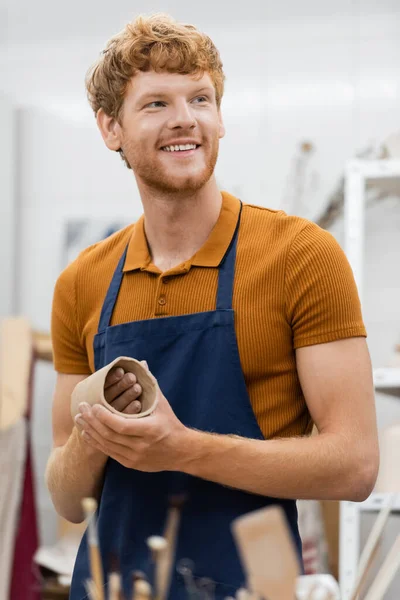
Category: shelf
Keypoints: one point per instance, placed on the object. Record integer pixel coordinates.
(358, 175)
(387, 380)
(374, 169)
(376, 502)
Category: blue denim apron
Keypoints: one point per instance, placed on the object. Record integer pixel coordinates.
(196, 361)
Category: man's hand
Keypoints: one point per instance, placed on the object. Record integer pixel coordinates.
(154, 443)
(122, 391)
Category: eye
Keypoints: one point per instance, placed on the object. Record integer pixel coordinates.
(200, 99)
(155, 104)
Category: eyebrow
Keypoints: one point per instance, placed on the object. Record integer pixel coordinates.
(206, 88)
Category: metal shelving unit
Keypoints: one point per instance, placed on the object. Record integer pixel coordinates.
(386, 380)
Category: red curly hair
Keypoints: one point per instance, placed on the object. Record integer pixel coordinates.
(156, 43)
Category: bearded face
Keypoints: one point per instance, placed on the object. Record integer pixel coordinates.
(170, 130)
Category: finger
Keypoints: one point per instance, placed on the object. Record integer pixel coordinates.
(144, 363)
(109, 442)
(129, 402)
(79, 422)
(121, 425)
(89, 439)
(92, 424)
(121, 458)
(134, 408)
(115, 375)
(118, 388)
(94, 441)
(106, 445)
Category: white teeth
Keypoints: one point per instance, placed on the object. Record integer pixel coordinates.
(181, 147)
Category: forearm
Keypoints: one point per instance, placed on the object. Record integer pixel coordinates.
(318, 467)
(74, 471)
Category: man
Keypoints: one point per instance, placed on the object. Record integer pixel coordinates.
(248, 318)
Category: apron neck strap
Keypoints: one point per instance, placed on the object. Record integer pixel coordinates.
(112, 294)
(226, 274)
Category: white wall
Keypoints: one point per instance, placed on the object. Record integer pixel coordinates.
(66, 172)
(332, 81)
(8, 206)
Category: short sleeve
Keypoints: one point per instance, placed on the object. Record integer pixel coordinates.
(69, 353)
(322, 301)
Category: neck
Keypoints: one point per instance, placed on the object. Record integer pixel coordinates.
(177, 225)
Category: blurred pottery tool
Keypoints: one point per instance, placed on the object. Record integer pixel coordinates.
(137, 576)
(267, 552)
(371, 546)
(114, 586)
(142, 590)
(185, 567)
(114, 579)
(157, 546)
(166, 560)
(89, 506)
(90, 589)
(243, 594)
(386, 573)
(91, 389)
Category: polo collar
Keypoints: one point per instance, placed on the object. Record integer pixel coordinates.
(209, 255)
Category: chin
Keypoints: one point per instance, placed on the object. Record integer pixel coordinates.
(183, 188)
(179, 184)
(155, 175)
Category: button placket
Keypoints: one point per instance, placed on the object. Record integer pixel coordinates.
(160, 299)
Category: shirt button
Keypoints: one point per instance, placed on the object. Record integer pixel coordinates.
(162, 300)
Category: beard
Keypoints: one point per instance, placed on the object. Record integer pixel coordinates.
(157, 177)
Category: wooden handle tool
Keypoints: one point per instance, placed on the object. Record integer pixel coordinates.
(165, 562)
(91, 589)
(142, 590)
(267, 553)
(157, 546)
(114, 586)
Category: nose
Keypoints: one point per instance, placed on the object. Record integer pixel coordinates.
(182, 116)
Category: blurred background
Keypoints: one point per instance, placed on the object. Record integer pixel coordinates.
(310, 86)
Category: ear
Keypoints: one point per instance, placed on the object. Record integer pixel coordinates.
(221, 125)
(110, 130)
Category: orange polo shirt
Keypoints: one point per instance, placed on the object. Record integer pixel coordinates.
(293, 287)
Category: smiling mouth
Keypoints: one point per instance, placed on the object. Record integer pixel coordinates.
(181, 148)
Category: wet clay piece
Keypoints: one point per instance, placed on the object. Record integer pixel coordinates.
(91, 390)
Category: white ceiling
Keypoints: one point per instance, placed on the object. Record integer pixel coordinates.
(27, 21)
(46, 46)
